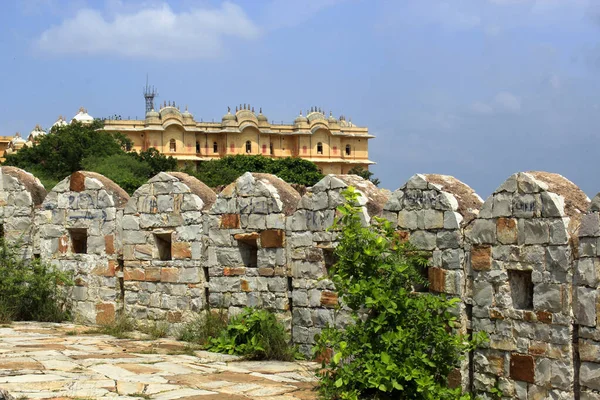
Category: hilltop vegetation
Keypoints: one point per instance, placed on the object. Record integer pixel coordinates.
(74, 147)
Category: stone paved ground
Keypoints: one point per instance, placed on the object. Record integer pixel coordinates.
(59, 361)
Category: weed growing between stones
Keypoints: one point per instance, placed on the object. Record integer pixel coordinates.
(205, 327)
(31, 290)
(401, 344)
(119, 328)
(256, 335)
(155, 330)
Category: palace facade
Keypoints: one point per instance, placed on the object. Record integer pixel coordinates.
(334, 144)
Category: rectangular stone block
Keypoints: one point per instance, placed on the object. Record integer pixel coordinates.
(506, 230)
(170, 275)
(230, 221)
(437, 279)
(481, 258)
(181, 250)
(272, 238)
(522, 368)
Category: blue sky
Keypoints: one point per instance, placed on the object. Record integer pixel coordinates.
(478, 89)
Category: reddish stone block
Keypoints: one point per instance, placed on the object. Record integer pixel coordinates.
(506, 230)
(244, 285)
(152, 274)
(79, 281)
(63, 244)
(181, 250)
(522, 368)
(170, 275)
(266, 271)
(537, 348)
(544, 317)
(234, 271)
(109, 244)
(481, 258)
(77, 182)
(401, 236)
(230, 221)
(174, 316)
(454, 378)
(107, 269)
(329, 299)
(437, 279)
(496, 314)
(105, 313)
(134, 274)
(272, 238)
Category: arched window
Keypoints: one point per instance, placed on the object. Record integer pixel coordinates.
(248, 147)
(172, 145)
(319, 148)
(271, 148)
(347, 149)
(215, 147)
(197, 147)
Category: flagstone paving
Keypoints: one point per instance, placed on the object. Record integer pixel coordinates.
(60, 361)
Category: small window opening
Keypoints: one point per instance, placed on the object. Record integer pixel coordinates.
(348, 149)
(163, 245)
(215, 147)
(172, 145)
(128, 146)
(422, 287)
(271, 148)
(78, 240)
(197, 147)
(521, 289)
(248, 147)
(319, 148)
(329, 257)
(249, 253)
(264, 149)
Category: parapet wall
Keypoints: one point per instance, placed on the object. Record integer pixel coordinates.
(525, 263)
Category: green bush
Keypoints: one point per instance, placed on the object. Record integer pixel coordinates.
(30, 290)
(256, 335)
(400, 345)
(204, 327)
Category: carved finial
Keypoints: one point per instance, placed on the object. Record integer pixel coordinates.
(236, 109)
(186, 107)
(252, 109)
(260, 110)
(228, 110)
(174, 103)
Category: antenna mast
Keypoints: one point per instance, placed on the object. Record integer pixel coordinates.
(150, 93)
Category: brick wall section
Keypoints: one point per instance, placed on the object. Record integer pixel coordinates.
(587, 302)
(163, 250)
(311, 244)
(247, 260)
(20, 194)
(430, 211)
(520, 263)
(92, 204)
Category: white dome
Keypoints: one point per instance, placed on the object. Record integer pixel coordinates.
(83, 117)
(17, 139)
(36, 132)
(60, 122)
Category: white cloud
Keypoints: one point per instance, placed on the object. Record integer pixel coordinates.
(507, 102)
(152, 32)
(503, 102)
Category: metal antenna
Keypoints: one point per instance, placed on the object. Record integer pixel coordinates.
(150, 93)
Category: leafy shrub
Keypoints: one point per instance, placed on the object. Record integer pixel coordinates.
(155, 330)
(31, 290)
(400, 345)
(119, 328)
(256, 335)
(204, 327)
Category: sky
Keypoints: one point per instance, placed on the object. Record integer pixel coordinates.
(477, 89)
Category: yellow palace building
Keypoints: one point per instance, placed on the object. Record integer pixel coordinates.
(336, 145)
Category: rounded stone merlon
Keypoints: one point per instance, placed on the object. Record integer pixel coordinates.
(85, 180)
(29, 182)
(197, 187)
(595, 204)
(371, 196)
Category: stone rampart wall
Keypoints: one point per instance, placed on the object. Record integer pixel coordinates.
(524, 263)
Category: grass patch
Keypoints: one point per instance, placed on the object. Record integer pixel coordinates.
(119, 328)
(205, 327)
(256, 335)
(155, 330)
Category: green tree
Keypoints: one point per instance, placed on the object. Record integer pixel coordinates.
(157, 161)
(365, 174)
(125, 170)
(228, 169)
(399, 345)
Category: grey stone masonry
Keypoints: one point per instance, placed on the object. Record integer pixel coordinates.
(78, 232)
(430, 211)
(246, 256)
(164, 246)
(20, 193)
(525, 263)
(520, 266)
(586, 299)
(311, 244)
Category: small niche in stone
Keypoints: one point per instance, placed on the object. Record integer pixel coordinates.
(521, 289)
(163, 245)
(329, 257)
(78, 240)
(249, 253)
